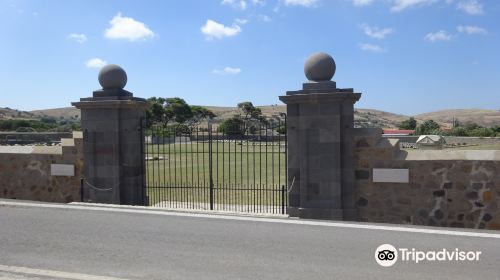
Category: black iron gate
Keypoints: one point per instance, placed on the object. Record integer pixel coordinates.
(238, 167)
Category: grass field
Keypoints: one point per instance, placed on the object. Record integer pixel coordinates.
(243, 173)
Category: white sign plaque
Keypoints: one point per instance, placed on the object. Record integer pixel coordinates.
(386, 175)
(62, 170)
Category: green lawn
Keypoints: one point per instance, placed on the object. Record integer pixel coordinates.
(244, 173)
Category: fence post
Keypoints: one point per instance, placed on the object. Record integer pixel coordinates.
(283, 190)
(210, 166)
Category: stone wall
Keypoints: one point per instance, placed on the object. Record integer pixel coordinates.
(42, 173)
(442, 188)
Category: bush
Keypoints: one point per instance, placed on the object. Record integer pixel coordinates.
(410, 124)
(281, 129)
(482, 132)
(428, 127)
(232, 126)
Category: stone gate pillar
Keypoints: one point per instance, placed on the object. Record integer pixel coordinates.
(320, 149)
(113, 141)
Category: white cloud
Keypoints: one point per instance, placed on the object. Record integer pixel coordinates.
(80, 38)
(241, 21)
(227, 70)
(213, 29)
(371, 48)
(264, 18)
(471, 30)
(471, 7)
(441, 35)
(361, 3)
(127, 28)
(259, 2)
(237, 4)
(375, 32)
(400, 5)
(95, 63)
(304, 3)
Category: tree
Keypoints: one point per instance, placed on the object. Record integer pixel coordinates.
(248, 112)
(410, 124)
(458, 131)
(199, 114)
(481, 132)
(471, 126)
(281, 129)
(428, 127)
(233, 126)
(176, 111)
(251, 116)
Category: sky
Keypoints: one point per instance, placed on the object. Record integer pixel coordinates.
(405, 56)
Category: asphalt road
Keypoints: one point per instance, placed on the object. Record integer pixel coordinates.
(38, 241)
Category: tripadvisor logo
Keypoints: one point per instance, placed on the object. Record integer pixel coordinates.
(387, 255)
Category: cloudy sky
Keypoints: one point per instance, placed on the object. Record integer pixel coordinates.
(406, 56)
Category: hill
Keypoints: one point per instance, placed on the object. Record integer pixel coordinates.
(58, 113)
(482, 117)
(362, 117)
(8, 113)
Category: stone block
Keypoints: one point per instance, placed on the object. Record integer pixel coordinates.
(389, 175)
(361, 174)
(62, 170)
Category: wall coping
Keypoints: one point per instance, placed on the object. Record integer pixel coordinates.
(48, 150)
(481, 155)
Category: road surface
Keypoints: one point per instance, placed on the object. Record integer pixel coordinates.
(56, 241)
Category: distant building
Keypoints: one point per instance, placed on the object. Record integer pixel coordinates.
(398, 132)
(431, 142)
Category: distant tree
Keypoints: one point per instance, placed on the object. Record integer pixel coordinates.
(482, 132)
(48, 120)
(428, 127)
(175, 111)
(178, 109)
(248, 112)
(410, 124)
(471, 126)
(251, 117)
(458, 131)
(233, 126)
(281, 129)
(198, 115)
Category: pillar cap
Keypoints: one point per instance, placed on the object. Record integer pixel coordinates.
(112, 76)
(319, 67)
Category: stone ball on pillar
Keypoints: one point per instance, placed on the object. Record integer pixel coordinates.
(112, 76)
(319, 67)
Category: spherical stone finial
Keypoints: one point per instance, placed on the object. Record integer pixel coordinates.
(112, 76)
(319, 67)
